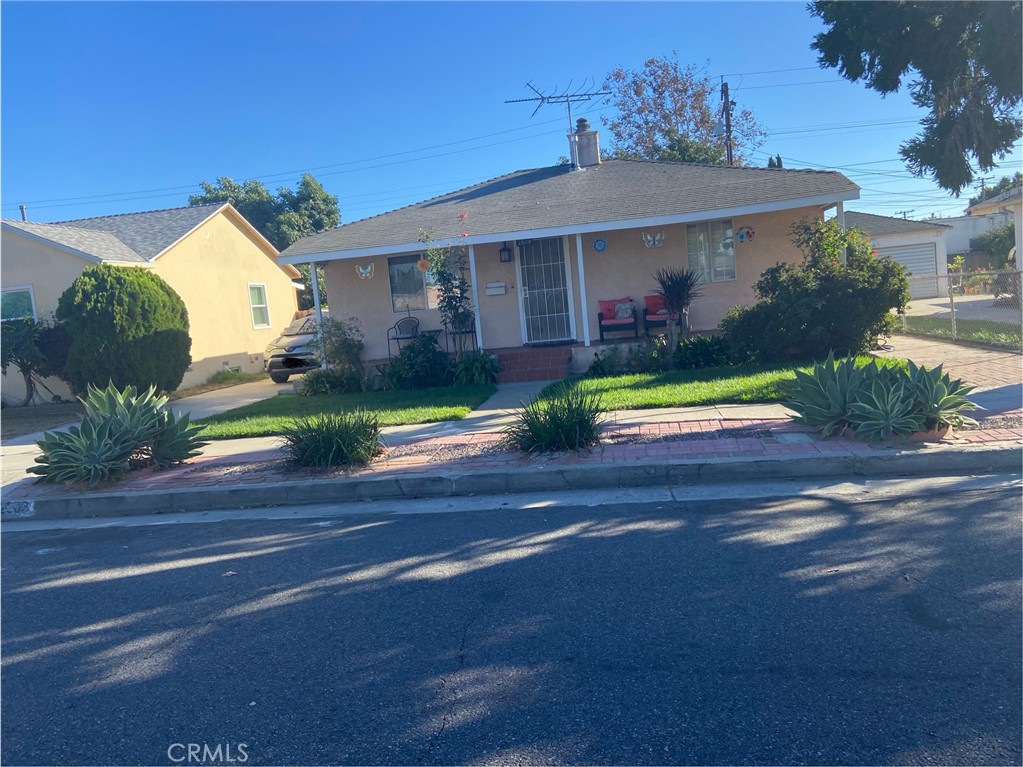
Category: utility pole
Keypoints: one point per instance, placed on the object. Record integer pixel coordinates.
(726, 107)
(904, 213)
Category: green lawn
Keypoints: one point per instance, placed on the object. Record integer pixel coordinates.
(987, 332)
(688, 388)
(394, 408)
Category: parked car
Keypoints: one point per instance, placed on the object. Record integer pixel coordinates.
(294, 351)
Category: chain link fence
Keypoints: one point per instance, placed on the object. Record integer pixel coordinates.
(974, 307)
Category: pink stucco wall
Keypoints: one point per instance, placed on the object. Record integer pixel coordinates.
(625, 267)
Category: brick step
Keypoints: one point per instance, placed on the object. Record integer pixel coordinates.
(544, 364)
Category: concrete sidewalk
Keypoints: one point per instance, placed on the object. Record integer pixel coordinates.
(671, 446)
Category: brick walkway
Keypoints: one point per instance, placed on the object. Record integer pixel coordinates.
(777, 438)
(986, 368)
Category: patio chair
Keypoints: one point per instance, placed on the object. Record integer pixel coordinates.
(461, 334)
(404, 329)
(655, 315)
(616, 316)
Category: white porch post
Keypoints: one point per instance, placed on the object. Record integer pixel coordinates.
(475, 296)
(319, 315)
(582, 290)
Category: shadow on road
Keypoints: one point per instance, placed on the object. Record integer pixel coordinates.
(822, 632)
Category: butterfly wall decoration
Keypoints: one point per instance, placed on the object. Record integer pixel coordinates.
(653, 240)
(365, 272)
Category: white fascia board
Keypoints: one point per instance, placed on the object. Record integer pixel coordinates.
(561, 231)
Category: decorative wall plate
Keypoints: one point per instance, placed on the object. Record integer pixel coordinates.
(745, 234)
(600, 244)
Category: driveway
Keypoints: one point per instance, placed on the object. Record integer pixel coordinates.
(214, 402)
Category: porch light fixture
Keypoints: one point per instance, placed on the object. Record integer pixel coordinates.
(506, 253)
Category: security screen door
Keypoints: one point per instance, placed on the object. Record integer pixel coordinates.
(546, 309)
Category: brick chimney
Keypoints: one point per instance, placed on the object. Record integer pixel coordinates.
(584, 145)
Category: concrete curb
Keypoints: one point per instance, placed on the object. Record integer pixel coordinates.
(980, 459)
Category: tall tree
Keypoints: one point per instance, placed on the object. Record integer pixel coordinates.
(965, 61)
(282, 218)
(666, 110)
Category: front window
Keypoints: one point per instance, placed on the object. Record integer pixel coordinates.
(711, 250)
(257, 302)
(411, 288)
(17, 303)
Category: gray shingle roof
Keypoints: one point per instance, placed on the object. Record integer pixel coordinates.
(101, 245)
(614, 191)
(877, 225)
(150, 232)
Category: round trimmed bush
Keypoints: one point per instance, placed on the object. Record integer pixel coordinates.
(125, 325)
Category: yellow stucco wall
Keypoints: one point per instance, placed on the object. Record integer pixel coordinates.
(49, 271)
(211, 269)
(624, 268)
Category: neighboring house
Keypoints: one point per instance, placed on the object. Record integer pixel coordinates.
(965, 229)
(1007, 202)
(545, 245)
(917, 245)
(238, 297)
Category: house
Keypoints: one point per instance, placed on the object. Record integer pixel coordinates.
(1007, 202)
(917, 245)
(238, 297)
(546, 245)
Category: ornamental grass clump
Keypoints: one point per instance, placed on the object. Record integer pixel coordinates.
(569, 419)
(348, 439)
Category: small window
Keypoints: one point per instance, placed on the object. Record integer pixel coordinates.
(411, 289)
(17, 303)
(260, 311)
(711, 250)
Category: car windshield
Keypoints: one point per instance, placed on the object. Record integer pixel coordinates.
(303, 326)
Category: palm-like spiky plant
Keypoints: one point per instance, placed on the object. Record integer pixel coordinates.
(678, 287)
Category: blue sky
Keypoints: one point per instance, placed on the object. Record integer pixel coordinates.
(119, 107)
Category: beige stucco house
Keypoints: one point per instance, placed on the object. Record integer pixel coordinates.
(1007, 202)
(546, 245)
(238, 297)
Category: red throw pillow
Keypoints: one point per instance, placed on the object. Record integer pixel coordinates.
(654, 304)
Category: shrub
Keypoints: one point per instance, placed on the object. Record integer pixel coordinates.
(330, 381)
(477, 367)
(333, 439)
(821, 305)
(421, 364)
(701, 352)
(126, 326)
(569, 419)
(876, 402)
(651, 356)
(37, 349)
(343, 343)
(120, 431)
(678, 288)
(609, 362)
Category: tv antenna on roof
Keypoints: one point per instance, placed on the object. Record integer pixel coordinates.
(566, 97)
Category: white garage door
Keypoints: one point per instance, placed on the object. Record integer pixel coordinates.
(922, 264)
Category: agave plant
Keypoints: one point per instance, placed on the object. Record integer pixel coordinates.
(939, 399)
(92, 452)
(823, 396)
(885, 407)
(175, 441)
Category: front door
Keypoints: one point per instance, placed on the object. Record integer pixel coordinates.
(545, 295)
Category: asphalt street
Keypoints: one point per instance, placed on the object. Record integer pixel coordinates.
(813, 630)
